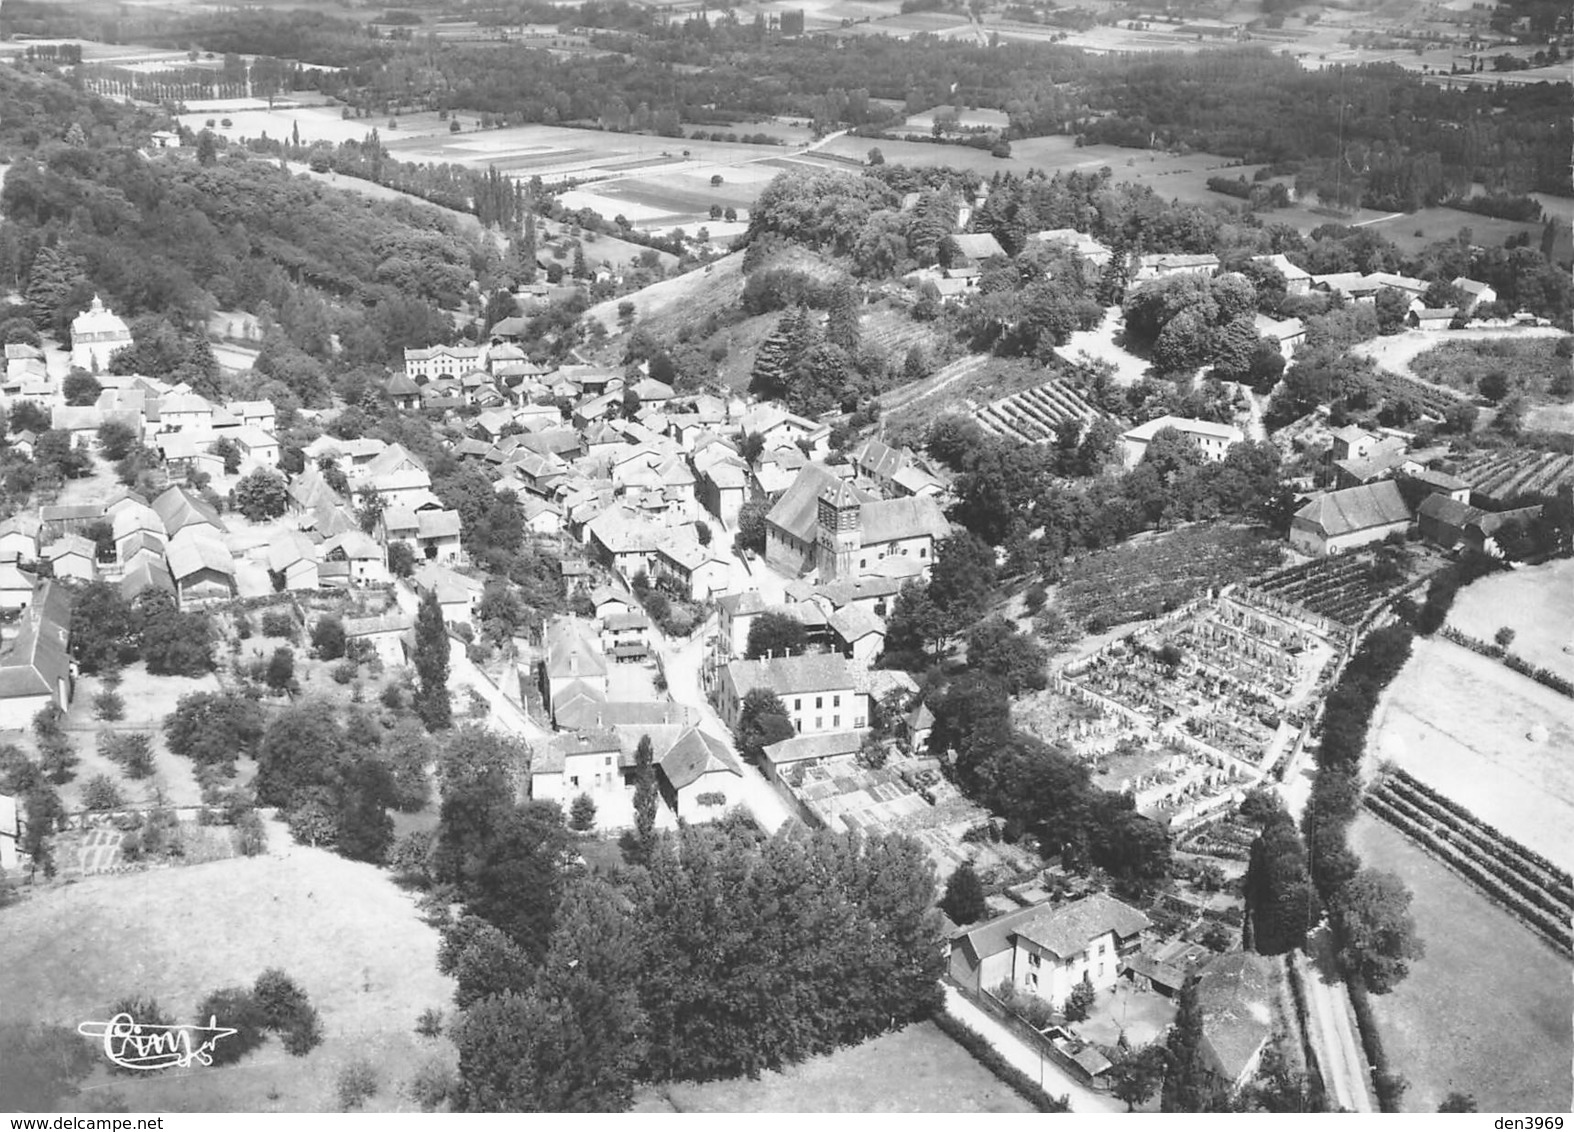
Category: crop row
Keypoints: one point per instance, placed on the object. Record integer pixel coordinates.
(1415, 786)
(1496, 859)
(1509, 475)
(1556, 931)
(1427, 399)
(1033, 414)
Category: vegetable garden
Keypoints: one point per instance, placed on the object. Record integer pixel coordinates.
(1032, 415)
(1512, 474)
(1340, 589)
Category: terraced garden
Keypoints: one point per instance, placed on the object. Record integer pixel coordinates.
(1522, 881)
(1511, 474)
(1340, 589)
(1032, 415)
(1428, 400)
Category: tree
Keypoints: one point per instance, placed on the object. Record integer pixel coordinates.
(328, 637)
(582, 814)
(234, 1008)
(281, 669)
(964, 896)
(261, 495)
(702, 532)
(432, 701)
(776, 634)
(762, 720)
(1392, 305)
(228, 451)
(115, 440)
(1281, 901)
(401, 559)
(106, 631)
(751, 525)
(80, 388)
(1137, 1076)
(174, 643)
(1494, 385)
(1376, 933)
(1278, 1086)
(214, 727)
(645, 795)
(1079, 1001)
(572, 1042)
(1458, 1102)
(371, 510)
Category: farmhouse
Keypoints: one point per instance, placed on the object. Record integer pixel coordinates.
(573, 663)
(1337, 521)
(1296, 281)
(1212, 439)
(1163, 266)
(385, 634)
(16, 586)
(978, 246)
(37, 671)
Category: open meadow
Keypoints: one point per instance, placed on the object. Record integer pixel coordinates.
(1412, 231)
(1490, 739)
(1487, 1010)
(1537, 602)
(343, 930)
(918, 1069)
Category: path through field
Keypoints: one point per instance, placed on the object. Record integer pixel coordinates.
(1396, 351)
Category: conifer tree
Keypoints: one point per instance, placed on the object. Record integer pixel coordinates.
(773, 362)
(644, 793)
(841, 324)
(432, 702)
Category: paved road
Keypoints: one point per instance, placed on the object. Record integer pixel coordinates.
(1054, 1080)
(1334, 1036)
(681, 662)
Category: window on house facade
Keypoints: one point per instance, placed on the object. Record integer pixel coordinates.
(836, 721)
(797, 705)
(1032, 981)
(836, 701)
(819, 702)
(923, 552)
(858, 721)
(574, 780)
(1033, 959)
(819, 722)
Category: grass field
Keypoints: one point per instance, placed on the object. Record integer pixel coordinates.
(1461, 724)
(1487, 1010)
(1537, 602)
(918, 1069)
(1444, 224)
(342, 929)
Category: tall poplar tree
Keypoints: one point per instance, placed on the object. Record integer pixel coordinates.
(432, 702)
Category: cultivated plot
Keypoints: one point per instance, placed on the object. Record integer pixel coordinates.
(1487, 1010)
(1492, 740)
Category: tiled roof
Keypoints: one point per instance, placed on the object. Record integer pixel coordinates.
(1065, 931)
(799, 748)
(1235, 995)
(792, 675)
(887, 520)
(694, 754)
(39, 658)
(194, 550)
(1355, 509)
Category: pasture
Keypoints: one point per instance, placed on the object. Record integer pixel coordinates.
(1457, 720)
(1487, 1010)
(918, 1069)
(1412, 231)
(342, 929)
(1537, 602)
